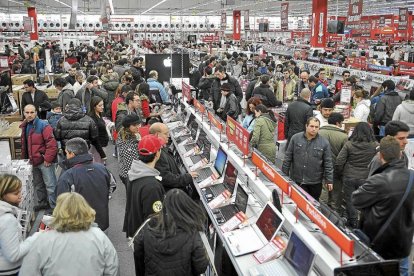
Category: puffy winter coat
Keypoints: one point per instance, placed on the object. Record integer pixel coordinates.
(263, 136)
(386, 106)
(362, 110)
(40, 145)
(110, 85)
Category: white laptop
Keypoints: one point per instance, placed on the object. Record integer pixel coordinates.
(298, 260)
(252, 238)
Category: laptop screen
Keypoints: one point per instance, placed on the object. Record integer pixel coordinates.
(190, 121)
(242, 199)
(204, 140)
(230, 177)
(299, 255)
(220, 162)
(269, 222)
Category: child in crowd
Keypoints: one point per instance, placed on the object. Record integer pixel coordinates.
(54, 115)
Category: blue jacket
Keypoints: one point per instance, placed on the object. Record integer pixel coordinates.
(154, 84)
(319, 92)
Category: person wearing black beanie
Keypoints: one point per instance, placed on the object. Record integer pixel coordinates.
(326, 107)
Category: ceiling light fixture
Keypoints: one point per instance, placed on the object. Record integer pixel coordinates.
(156, 5)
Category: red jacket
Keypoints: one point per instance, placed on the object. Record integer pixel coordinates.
(145, 106)
(41, 144)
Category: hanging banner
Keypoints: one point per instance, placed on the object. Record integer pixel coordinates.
(403, 19)
(284, 16)
(319, 21)
(236, 25)
(354, 15)
(223, 21)
(381, 21)
(238, 135)
(31, 12)
(246, 20)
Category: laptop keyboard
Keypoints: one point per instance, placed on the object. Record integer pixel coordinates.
(217, 189)
(182, 138)
(196, 158)
(271, 268)
(228, 211)
(189, 146)
(204, 174)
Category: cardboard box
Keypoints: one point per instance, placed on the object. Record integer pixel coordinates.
(18, 79)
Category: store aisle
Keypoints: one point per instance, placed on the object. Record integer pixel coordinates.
(116, 219)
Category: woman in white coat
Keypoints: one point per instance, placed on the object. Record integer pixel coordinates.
(12, 246)
(361, 111)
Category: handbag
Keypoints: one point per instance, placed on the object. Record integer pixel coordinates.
(131, 242)
(364, 237)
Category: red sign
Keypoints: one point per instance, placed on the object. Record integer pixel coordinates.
(214, 121)
(284, 16)
(403, 19)
(238, 135)
(271, 173)
(246, 20)
(186, 90)
(357, 62)
(199, 106)
(31, 12)
(343, 241)
(236, 25)
(210, 38)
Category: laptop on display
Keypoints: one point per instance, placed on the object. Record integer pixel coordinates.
(297, 260)
(225, 213)
(205, 146)
(217, 170)
(229, 182)
(258, 234)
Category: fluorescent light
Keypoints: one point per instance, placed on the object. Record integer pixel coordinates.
(156, 5)
(111, 6)
(20, 3)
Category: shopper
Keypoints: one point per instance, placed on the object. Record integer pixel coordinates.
(285, 87)
(352, 165)
(399, 131)
(166, 165)
(110, 82)
(337, 138)
(91, 180)
(54, 115)
(36, 97)
(384, 109)
(130, 106)
(363, 103)
(250, 118)
(71, 76)
(263, 138)
(221, 78)
(265, 94)
(12, 246)
(170, 243)
(308, 160)
(326, 108)
(297, 114)
(155, 85)
(319, 90)
(80, 82)
(255, 82)
(379, 196)
(127, 142)
(73, 246)
(89, 90)
(303, 83)
(40, 147)
(405, 113)
(66, 92)
(145, 191)
(96, 111)
(205, 83)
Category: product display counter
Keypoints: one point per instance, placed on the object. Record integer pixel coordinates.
(332, 246)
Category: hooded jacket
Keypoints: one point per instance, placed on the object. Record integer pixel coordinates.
(384, 110)
(405, 113)
(75, 123)
(144, 196)
(92, 181)
(181, 254)
(65, 95)
(12, 246)
(263, 136)
(362, 110)
(40, 145)
(377, 198)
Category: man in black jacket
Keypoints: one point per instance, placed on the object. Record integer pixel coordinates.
(265, 94)
(223, 77)
(35, 97)
(297, 114)
(204, 84)
(384, 110)
(166, 165)
(379, 196)
(252, 85)
(91, 180)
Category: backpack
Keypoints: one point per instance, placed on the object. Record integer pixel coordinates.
(373, 106)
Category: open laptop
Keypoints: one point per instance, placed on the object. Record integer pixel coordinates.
(225, 213)
(297, 260)
(217, 170)
(229, 182)
(204, 145)
(252, 238)
(193, 133)
(190, 120)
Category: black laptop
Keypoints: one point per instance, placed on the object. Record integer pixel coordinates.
(225, 213)
(229, 182)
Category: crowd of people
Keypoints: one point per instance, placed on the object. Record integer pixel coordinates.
(108, 95)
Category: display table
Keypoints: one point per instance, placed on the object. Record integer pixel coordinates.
(12, 134)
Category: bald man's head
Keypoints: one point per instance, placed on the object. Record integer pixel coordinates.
(161, 130)
(29, 112)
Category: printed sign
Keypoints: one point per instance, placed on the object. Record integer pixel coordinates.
(403, 19)
(246, 20)
(238, 135)
(345, 94)
(354, 14)
(284, 16)
(186, 90)
(199, 106)
(223, 21)
(214, 121)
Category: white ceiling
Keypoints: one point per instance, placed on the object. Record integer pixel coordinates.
(203, 7)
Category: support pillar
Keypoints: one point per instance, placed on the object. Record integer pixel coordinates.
(31, 12)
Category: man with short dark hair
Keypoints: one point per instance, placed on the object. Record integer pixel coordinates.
(399, 131)
(90, 89)
(145, 191)
(319, 90)
(308, 160)
(36, 97)
(137, 71)
(265, 94)
(65, 90)
(285, 87)
(379, 196)
(221, 78)
(385, 107)
(337, 138)
(91, 180)
(130, 106)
